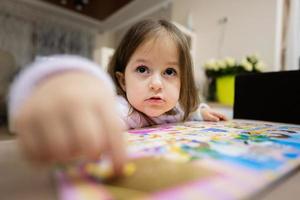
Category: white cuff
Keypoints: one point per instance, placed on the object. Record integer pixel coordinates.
(203, 105)
(197, 116)
(29, 78)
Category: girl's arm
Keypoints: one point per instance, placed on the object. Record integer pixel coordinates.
(209, 114)
(45, 67)
(205, 113)
(64, 107)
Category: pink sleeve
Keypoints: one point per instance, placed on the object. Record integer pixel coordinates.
(131, 119)
(29, 78)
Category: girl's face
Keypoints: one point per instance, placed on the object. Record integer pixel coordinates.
(152, 76)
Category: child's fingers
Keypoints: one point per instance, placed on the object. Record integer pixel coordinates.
(28, 145)
(219, 115)
(113, 127)
(87, 133)
(224, 118)
(51, 134)
(211, 117)
(116, 149)
(28, 136)
(55, 141)
(116, 144)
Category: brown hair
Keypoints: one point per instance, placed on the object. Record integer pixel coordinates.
(143, 31)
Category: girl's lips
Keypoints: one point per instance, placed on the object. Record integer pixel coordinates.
(155, 100)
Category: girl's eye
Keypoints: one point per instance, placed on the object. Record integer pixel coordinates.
(170, 72)
(142, 69)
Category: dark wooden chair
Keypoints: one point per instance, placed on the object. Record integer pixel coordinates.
(272, 96)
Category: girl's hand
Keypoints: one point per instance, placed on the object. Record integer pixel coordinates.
(69, 116)
(210, 115)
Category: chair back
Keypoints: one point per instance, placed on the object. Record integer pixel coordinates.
(271, 96)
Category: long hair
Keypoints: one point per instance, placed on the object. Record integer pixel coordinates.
(142, 32)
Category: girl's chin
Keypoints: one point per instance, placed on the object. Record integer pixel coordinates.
(153, 114)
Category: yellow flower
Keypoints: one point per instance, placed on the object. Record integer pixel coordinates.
(246, 65)
(229, 65)
(230, 62)
(221, 64)
(211, 65)
(253, 58)
(260, 66)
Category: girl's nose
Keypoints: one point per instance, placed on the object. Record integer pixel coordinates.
(155, 82)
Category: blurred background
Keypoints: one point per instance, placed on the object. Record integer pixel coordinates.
(217, 30)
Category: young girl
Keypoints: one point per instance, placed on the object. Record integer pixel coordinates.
(153, 73)
(64, 106)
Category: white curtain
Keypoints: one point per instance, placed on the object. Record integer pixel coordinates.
(292, 59)
(26, 33)
(51, 38)
(15, 34)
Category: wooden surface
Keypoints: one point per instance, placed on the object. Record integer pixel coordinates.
(21, 180)
(286, 189)
(18, 178)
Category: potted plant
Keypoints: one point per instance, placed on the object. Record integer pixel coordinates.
(221, 74)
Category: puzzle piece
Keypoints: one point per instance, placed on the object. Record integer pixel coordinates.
(104, 171)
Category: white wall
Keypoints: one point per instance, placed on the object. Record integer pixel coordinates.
(251, 28)
(112, 37)
(107, 40)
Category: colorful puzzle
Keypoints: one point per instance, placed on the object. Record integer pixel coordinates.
(192, 160)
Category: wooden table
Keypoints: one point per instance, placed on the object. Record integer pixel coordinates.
(20, 180)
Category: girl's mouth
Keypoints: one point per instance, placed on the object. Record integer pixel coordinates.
(155, 100)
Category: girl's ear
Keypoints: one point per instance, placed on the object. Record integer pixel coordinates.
(121, 79)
